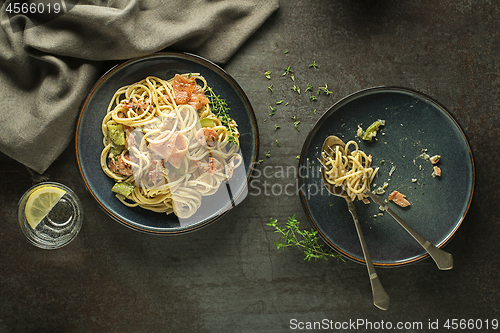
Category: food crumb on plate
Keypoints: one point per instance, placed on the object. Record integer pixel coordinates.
(399, 199)
(436, 172)
(392, 170)
(434, 159)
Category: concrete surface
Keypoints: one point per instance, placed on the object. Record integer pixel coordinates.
(229, 277)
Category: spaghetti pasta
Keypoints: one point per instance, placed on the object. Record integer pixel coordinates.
(164, 147)
(349, 169)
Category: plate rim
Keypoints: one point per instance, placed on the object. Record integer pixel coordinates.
(328, 112)
(185, 56)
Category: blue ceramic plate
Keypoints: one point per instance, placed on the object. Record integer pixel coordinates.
(89, 141)
(414, 124)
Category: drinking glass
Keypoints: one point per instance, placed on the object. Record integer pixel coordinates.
(50, 215)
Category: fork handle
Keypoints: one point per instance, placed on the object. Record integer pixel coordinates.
(380, 297)
(443, 260)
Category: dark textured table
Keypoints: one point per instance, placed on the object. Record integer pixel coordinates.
(229, 276)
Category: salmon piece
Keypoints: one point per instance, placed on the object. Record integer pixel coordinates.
(133, 137)
(212, 166)
(399, 199)
(183, 88)
(138, 106)
(117, 165)
(434, 159)
(207, 137)
(164, 149)
(198, 98)
(436, 172)
(171, 150)
(180, 149)
(156, 172)
(186, 91)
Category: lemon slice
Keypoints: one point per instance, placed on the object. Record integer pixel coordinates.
(40, 202)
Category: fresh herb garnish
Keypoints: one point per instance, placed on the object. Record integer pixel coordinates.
(309, 242)
(221, 110)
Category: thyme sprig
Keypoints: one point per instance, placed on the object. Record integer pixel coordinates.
(221, 110)
(308, 240)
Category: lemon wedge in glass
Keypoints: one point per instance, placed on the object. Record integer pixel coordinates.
(40, 202)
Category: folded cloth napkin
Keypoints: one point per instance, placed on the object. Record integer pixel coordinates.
(49, 63)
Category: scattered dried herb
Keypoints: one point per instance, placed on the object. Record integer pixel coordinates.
(314, 65)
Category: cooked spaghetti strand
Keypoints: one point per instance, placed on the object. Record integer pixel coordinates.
(349, 169)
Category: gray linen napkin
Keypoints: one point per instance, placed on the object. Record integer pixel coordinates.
(49, 63)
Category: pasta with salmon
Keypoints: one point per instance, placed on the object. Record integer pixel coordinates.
(165, 146)
(349, 169)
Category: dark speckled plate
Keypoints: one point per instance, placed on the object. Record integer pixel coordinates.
(89, 141)
(414, 122)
